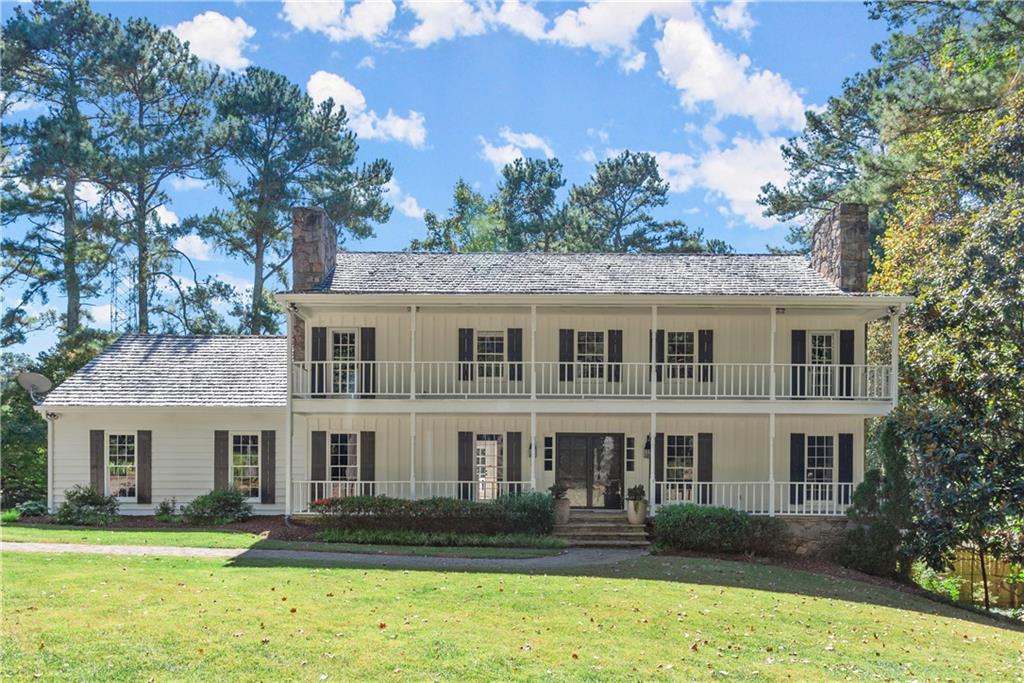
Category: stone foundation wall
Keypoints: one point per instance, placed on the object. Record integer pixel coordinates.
(813, 536)
(839, 247)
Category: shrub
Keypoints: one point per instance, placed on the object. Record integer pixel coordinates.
(439, 539)
(219, 506)
(165, 511)
(10, 515)
(936, 582)
(695, 527)
(767, 536)
(32, 508)
(506, 515)
(83, 506)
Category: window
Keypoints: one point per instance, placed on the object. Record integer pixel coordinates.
(630, 453)
(818, 468)
(679, 457)
(679, 354)
(490, 354)
(245, 464)
(549, 453)
(343, 459)
(590, 354)
(344, 368)
(121, 465)
(821, 357)
(487, 465)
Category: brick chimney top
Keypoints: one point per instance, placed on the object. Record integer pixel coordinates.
(839, 247)
(314, 246)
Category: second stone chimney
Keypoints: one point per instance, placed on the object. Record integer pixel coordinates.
(839, 247)
(314, 246)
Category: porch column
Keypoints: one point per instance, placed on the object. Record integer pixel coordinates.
(771, 351)
(654, 356)
(654, 454)
(412, 455)
(412, 352)
(771, 464)
(288, 421)
(533, 451)
(533, 352)
(894, 352)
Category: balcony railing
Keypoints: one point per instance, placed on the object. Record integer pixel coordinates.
(456, 379)
(753, 497)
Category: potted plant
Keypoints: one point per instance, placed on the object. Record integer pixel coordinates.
(636, 509)
(613, 495)
(558, 492)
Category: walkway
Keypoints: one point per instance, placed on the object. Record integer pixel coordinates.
(572, 557)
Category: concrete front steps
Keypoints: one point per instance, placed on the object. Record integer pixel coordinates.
(601, 529)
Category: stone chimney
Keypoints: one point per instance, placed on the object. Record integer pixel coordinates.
(839, 247)
(314, 246)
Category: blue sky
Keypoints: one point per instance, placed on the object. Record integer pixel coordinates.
(449, 90)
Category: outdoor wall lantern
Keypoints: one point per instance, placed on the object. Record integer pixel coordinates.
(647, 448)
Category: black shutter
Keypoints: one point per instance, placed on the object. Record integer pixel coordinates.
(566, 339)
(268, 466)
(221, 460)
(318, 354)
(659, 352)
(659, 465)
(367, 461)
(705, 466)
(317, 462)
(845, 467)
(368, 353)
(96, 468)
(798, 358)
(614, 355)
(796, 468)
(846, 358)
(465, 465)
(144, 467)
(465, 353)
(515, 354)
(514, 460)
(706, 354)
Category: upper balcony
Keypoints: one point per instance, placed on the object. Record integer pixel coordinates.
(576, 380)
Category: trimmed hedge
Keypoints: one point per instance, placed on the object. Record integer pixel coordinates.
(83, 506)
(716, 530)
(219, 506)
(527, 513)
(438, 539)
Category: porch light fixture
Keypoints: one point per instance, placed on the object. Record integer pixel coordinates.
(647, 448)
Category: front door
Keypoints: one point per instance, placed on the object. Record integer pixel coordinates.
(590, 466)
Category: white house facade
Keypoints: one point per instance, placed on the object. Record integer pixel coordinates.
(731, 380)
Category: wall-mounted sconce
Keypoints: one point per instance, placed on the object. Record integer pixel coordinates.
(647, 448)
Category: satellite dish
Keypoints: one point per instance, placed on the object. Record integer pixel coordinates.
(35, 384)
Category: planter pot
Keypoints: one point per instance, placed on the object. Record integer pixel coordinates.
(636, 511)
(562, 511)
(613, 501)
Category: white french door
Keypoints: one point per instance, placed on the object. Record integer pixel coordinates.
(821, 358)
(344, 368)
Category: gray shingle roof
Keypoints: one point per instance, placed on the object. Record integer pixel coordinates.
(534, 273)
(164, 370)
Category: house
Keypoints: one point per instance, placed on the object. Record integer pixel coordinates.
(735, 380)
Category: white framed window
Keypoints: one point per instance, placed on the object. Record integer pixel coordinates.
(245, 464)
(549, 453)
(122, 466)
(487, 465)
(490, 354)
(630, 453)
(821, 357)
(679, 354)
(679, 457)
(590, 354)
(819, 467)
(344, 361)
(343, 457)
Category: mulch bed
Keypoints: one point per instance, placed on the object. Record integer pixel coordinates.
(270, 527)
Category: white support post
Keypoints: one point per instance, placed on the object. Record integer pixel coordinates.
(533, 451)
(51, 438)
(894, 351)
(288, 426)
(654, 455)
(771, 361)
(771, 464)
(654, 358)
(412, 352)
(533, 351)
(412, 455)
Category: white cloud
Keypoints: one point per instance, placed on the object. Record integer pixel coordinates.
(738, 172)
(588, 155)
(522, 18)
(446, 20)
(410, 129)
(242, 284)
(678, 169)
(706, 72)
(89, 194)
(368, 20)
(599, 133)
(183, 184)
(215, 38)
(735, 17)
(366, 63)
(194, 247)
(102, 314)
(405, 203)
(501, 155)
(165, 215)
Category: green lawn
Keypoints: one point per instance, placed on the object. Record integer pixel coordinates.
(233, 539)
(127, 618)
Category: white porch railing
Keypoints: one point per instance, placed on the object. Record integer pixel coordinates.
(304, 493)
(755, 497)
(456, 379)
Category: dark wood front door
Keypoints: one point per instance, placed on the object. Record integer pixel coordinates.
(591, 467)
